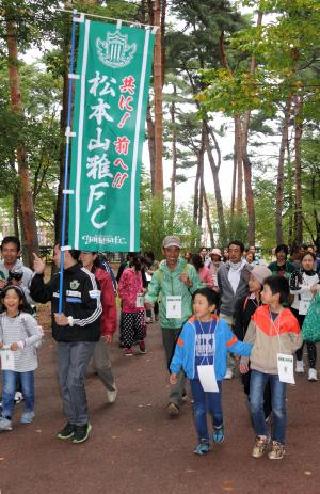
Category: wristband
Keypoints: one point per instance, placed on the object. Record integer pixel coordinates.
(70, 321)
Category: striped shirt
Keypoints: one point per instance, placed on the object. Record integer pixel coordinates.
(24, 329)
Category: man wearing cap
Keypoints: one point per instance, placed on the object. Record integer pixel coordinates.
(233, 280)
(173, 284)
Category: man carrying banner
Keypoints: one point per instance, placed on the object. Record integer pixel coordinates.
(76, 329)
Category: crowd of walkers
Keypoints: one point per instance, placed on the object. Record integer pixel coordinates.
(221, 312)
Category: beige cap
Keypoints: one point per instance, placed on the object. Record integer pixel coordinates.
(171, 241)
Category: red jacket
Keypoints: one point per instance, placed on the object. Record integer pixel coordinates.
(130, 285)
(108, 320)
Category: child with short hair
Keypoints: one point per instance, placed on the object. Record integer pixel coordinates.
(202, 350)
(19, 333)
(272, 330)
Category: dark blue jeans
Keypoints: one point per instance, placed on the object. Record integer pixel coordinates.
(9, 379)
(258, 383)
(204, 403)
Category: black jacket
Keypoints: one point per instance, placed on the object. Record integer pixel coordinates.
(81, 300)
(245, 308)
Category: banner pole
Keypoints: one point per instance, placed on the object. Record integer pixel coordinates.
(66, 160)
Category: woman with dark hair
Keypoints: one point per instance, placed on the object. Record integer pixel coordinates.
(281, 265)
(131, 292)
(108, 321)
(304, 283)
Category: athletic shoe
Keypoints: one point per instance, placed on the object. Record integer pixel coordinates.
(18, 397)
(142, 347)
(81, 433)
(229, 374)
(277, 451)
(299, 366)
(184, 397)
(173, 409)
(260, 447)
(67, 432)
(26, 418)
(5, 424)
(218, 434)
(128, 352)
(111, 395)
(202, 448)
(312, 375)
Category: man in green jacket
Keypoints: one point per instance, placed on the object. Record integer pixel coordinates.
(173, 284)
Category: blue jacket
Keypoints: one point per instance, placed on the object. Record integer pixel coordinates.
(225, 341)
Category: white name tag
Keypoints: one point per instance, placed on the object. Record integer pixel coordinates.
(73, 293)
(207, 378)
(7, 360)
(173, 307)
(94, 294)
(140, 301)
(285, 368)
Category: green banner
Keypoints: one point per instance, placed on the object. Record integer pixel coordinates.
(111, 91)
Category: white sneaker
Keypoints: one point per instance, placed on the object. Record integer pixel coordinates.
(312, 375)
(111, 395)
(5, 424)
(299, 366)
(18, 397)
(229, 374)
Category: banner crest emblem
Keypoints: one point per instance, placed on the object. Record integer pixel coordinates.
(115, 50)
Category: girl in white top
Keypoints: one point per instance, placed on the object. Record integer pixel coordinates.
(19, 335)
(303, 285)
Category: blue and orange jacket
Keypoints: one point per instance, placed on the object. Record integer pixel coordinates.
(225, 341)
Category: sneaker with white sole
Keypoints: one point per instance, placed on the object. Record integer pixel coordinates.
(202, 448)
(18, 397)
(67, 432)
(111, 395)
(260, 446)
(173, 409)
(277, 451)
(5, 424)
(81, 433)
(218, 434)
(229, 374)
(27, 417)
(312, 375)
(299, 367)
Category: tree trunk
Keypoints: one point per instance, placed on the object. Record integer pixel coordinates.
(215, 168)
(280, 175)
(174, 152)
(158, 101)
(238, 158)
(207, 210)
(152, 149)
(196, 190)
(290, 197)
(25, 193)
(234, 187)
(298, 126)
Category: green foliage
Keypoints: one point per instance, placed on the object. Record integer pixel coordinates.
(157, 222)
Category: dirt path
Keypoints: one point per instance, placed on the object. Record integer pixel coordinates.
(136, 448)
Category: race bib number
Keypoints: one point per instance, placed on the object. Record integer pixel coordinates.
(7, 360)
(285, 368)
(207, 378)
(173, 307)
